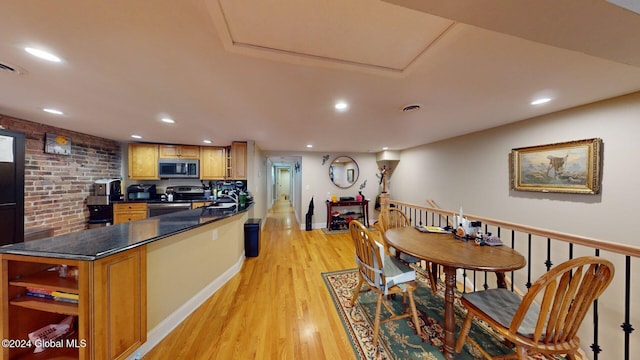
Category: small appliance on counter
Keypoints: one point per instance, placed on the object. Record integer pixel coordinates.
(100, 205)
(141, 192)
(109, 187)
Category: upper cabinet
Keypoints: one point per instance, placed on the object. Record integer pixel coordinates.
(143, 162)
(216, 162)
(212, 163)
(179, 152)
(237, 161)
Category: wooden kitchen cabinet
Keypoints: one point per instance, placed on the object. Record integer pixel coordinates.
(212, 163)
(237, 161)
(119, 303)
(109, 316)
(179, 152)
(143, 162)
(129, 211)
(199, 204)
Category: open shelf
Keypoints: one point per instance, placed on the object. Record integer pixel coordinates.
(59, 307)
(47, 280)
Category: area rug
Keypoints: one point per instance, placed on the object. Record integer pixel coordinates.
(397, 339)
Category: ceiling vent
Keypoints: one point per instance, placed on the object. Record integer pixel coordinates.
(6, 67)
(411, 108)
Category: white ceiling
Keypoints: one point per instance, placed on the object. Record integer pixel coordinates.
(271, 70)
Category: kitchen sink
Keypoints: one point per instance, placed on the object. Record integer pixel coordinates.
(223, 205)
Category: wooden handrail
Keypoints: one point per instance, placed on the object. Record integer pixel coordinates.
(556, 235)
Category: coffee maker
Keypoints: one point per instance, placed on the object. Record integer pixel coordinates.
(106, 191)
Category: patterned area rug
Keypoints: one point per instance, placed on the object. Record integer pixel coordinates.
(398, 339)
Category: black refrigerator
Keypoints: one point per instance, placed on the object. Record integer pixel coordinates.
(12, 154)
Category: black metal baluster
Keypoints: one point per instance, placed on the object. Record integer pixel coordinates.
(548, 262)
(513, 246)
(626, 325)
(595, 347)
(529, 263)
(464, 281)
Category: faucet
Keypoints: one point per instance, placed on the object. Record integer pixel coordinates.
(233, 197)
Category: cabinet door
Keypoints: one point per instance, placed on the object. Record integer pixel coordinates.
(169, 151)
(143, 162)
(128, 216)
(239, 160)
(120, 312)
(179, 152)
(129, 211)
(212, 163)
(189, 152)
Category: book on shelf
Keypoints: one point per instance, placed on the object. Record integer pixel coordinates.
(36, 290)
(40, 295)
(66, 300)
(65, 295)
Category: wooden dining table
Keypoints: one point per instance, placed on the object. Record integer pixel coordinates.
(452, 254)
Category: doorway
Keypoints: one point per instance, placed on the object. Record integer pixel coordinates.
(283, 183)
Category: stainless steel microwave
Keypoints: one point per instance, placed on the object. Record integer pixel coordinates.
(179, 168)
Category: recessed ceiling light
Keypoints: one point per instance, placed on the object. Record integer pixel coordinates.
(42, 54)
(53, 111)
(341, 106)
(167, 120)
(385, 148)
(206, 141)
(136, 136)
(540, 101)
(309, 145)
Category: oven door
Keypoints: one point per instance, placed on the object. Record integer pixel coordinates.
(157, 209)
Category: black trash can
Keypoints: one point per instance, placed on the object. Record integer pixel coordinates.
(308, 222)
(252, 237)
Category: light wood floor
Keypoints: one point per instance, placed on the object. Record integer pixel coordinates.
(277, 307)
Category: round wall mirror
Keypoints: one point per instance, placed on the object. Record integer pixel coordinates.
(343, 172)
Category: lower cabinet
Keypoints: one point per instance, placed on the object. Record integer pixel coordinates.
(106, 299)
(199, 204)
(129, 211)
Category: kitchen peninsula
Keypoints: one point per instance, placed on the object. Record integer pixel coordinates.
(140, 275)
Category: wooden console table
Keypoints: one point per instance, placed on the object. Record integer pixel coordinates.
(364, 206)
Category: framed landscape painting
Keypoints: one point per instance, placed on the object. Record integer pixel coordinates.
(569, 167)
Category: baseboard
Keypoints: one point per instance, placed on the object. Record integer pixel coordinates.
(155, 335)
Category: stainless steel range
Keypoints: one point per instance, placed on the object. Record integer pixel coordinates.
(182, 196)
(189, 192)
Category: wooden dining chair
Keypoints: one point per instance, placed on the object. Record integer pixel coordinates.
(384, 275)
(396, 218)
(566, 292)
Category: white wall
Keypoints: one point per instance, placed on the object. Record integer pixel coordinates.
(472, 171)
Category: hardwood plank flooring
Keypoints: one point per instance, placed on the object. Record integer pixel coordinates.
(277, 307)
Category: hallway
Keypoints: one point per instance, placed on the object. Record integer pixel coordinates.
(277, 307)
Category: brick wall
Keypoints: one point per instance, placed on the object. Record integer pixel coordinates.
(57, 186)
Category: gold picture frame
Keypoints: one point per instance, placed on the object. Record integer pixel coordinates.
(569, 167)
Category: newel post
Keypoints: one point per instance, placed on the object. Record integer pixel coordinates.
(384, 202)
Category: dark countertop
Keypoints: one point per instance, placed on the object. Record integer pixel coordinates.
(97, 243)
